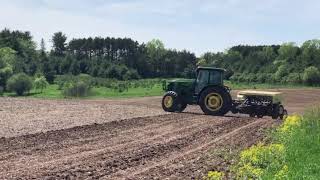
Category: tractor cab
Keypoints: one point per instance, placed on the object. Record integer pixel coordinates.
(207, 76)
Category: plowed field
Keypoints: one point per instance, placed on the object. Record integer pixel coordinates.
(123, 139)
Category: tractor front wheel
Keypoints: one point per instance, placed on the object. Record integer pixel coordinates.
(215, 101)
(172, 103)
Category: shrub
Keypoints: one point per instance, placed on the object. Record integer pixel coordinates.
(84, 78)
(131, 74)
(40, 83)
(265, 78)
(5, 74)
(50, 76)
(122, 86)
(1, 90)
(76, 89)
(311, 75)
(261, 78)
(61, 80)
(282, 71)
(294, 78)
(19, 83)
(235, 77)
(251, 78)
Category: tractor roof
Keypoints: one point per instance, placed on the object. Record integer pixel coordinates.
(210, 68)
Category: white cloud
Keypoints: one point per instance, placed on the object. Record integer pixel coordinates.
(194, 25)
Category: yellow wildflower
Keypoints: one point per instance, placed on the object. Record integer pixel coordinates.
(290, 123)
(283, 173)
(247, 171)
(215, 175)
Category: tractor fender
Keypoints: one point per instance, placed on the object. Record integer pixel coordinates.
(215, 86)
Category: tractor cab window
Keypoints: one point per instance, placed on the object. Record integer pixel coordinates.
(215, 77)
(203, 77)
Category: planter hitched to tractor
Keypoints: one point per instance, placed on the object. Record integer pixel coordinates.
(209, 92)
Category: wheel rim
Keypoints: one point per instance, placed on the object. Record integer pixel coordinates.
(214, 101)
(168, 101)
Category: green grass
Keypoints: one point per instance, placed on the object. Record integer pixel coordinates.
(293, 152)
(303, 147)
(132, 92)
(52, 92)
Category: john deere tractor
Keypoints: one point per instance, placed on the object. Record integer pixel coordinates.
(209, 92)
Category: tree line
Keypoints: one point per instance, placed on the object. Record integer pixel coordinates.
(286, 63)
(125, 59)
(117, 58)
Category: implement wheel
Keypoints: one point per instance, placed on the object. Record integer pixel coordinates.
(215, 101)
(279, 112)
(284, 115)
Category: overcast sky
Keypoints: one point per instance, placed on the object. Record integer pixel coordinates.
(195, 25)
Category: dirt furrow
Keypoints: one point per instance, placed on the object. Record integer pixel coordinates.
(196, 162)
(80, 149)
(153, 153)
(86, 148)
(134, 139)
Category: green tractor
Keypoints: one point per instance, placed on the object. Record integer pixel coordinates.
(209, 92)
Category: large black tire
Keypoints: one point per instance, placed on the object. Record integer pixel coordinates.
(277, 111)
(172, 103)
(215, 101)
(284, 115)
(169, 101)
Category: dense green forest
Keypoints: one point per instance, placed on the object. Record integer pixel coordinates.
(100, 57)
(286, 63)
(125, 59)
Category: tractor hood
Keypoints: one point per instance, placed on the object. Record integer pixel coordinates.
(179, 84)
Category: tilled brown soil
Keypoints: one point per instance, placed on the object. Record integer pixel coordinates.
(158, 146)
(120, 143)
(20, 116)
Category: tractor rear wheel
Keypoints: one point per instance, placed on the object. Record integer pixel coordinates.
(172, 103)
(215, 101)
